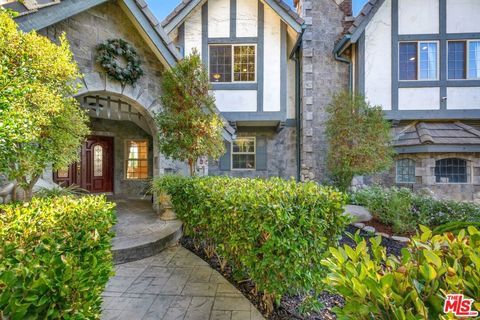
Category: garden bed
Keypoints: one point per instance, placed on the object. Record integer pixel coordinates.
(288, 308)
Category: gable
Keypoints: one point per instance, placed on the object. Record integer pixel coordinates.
(186, 7)
(37, 18)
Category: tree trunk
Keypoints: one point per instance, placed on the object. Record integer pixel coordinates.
(191, 165)
(28, 187)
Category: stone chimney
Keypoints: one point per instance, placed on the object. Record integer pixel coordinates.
(346, 7)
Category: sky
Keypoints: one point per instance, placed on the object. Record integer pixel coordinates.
(161, 8)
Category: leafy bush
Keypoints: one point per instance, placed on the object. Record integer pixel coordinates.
(273, 231)
(55, 257)
(404, 210)
(411, 287)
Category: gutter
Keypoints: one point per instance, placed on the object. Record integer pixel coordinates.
(338, 51)
(295, 56)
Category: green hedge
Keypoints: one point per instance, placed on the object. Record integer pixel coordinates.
(55, 257)
(411, 287)
(404, 210)
(274, 231)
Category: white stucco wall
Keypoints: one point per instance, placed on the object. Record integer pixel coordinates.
(271, 64)
(218, 18)
(378, 52)
(418, 17)
(193, 32)
(247, 18)
(463, 98)
(236, 100)
(463, 16)
(419, 98)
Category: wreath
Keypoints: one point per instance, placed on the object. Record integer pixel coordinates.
(109, 51)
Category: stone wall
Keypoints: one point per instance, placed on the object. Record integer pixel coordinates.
(425, 177)
(121, 131)
(281, 157)
(322, 76)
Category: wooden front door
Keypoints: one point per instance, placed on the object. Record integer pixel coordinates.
(94, 172)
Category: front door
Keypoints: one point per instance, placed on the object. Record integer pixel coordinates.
(94, 172)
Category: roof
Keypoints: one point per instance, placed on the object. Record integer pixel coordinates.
(38, 14)
(437, 133)
(186, 6)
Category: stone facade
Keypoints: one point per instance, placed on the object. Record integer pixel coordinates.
(425, 177)
(322, 77)
(281, 156)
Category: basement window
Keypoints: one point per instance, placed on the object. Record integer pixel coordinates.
(405, 171)
(451, 170)
(243, 154)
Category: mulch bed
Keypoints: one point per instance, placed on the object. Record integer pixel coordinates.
(288, 308)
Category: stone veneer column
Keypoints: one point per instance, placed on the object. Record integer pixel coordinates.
(322, 77)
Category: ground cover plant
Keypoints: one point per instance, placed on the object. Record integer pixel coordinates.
(412, 286)
(273, 232)
(404, 210)
(55, 257)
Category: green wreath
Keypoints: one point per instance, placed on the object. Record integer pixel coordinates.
(107, 57)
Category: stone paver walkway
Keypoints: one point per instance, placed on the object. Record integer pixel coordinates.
(175, 284)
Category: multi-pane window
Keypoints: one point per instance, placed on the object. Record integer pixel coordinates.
(464, 60)
(451, 170)
(137, 159)
(228, 60)
(405, 171)
(243, 154)
(418, 61)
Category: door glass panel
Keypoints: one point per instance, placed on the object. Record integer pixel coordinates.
(98, 161)
(63, 173)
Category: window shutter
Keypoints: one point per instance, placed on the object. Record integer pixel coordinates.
(225, 159)
(261, 154)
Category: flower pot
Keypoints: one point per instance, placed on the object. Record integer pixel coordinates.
(166, 207)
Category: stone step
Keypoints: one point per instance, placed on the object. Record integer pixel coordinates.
(137, 247)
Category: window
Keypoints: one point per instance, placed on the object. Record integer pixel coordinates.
(405, 171)
(137, 159)
(98, 161)
(243, 154)
(418, 61)
(236, 60)
(463, 60)
(451, 171)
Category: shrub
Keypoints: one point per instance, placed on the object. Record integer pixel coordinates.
(411, 287)
(274, 231)
(404, 210)
(55, 257)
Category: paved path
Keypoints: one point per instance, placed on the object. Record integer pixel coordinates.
(175, 284)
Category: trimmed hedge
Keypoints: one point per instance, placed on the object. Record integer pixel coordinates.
(55, 257)
(273, 231)
(411, 287)
(404, 210)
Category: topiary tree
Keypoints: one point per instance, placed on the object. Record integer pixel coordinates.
(359, 139)
(40, 122)
(189, 126)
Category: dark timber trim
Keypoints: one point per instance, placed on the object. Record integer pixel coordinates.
(260, 55)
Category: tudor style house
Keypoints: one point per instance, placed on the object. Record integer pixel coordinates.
(420, 60)
(246, 46)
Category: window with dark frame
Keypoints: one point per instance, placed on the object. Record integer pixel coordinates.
(451, 170)
(243, 154)
(226, 60)
(136, 159)
(418, 60)
(405, 171)
(464, 60)
(220, 63)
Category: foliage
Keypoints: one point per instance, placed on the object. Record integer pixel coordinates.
(413, 286)
(41, 122)
(72, 190)
(359, 139)
(107, 55)
(189, 126)
(404, 210)
(274, 232)
(55, 257)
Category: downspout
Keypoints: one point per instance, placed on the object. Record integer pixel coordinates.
(295, 56)
(339, 48)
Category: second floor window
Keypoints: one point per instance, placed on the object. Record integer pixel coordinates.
(232, 63)
(464, 60)
(418, 61)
